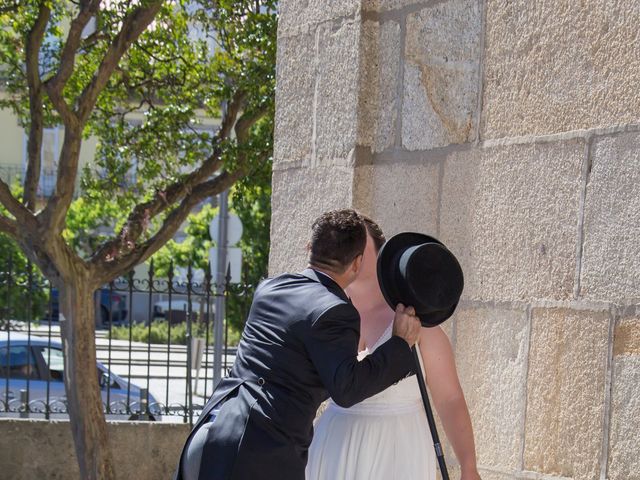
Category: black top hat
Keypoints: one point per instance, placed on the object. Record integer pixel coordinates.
(418, 270)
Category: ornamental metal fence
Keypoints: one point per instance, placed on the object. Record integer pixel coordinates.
(157, 358)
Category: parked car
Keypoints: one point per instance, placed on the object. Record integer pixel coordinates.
(111, 303)
(179, 309)
(42, 363)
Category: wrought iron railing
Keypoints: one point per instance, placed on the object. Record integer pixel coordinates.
(166, 376)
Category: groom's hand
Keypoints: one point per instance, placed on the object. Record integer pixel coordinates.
(406, 324)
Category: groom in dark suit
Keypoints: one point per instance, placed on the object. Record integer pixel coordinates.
(299, 346)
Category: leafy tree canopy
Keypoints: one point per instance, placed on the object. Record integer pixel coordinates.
(197, 60)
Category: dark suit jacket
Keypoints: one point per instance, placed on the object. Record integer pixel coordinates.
(299, 346)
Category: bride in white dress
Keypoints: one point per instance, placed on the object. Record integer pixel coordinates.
(387, 436)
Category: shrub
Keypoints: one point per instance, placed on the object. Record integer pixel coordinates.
(158, 333)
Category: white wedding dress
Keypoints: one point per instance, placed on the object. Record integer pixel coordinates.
(384, 437)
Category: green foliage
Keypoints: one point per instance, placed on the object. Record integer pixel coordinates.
(180, 72)
(153, 125)
(250, 199)
(194, 249)
(154, 120)
(159, 332)
(24, 292)
(16, 23)
(90, 223)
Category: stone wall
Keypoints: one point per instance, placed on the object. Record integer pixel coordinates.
(511, 131)
(39, 449)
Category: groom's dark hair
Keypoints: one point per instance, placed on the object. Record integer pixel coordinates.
(337, 238)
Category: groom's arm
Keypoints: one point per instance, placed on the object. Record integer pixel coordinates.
(332, 344)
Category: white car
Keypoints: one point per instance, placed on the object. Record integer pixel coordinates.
(35, 366)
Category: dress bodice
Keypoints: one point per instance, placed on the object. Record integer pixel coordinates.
(383, 437)
(403, 395)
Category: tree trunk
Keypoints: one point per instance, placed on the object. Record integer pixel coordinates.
(81, 380)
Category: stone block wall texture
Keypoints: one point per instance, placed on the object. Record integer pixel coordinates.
(511, 131)
(39, 449)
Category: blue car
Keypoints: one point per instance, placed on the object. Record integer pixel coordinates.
(39, 363)
(112, 304)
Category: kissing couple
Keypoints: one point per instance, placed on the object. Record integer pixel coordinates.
(303, 343)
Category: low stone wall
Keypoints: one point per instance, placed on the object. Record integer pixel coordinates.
(39, 449)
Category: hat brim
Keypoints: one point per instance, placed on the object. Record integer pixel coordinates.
(386, 258)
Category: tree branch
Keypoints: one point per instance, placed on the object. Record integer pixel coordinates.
(146, 211)
(69, 118)
(245, 122)
(22, 215)
(55, 85)
(74, 38)
(132, 27)
(107, 270)
(8, 226)
(57, 206)
(34, 143)
(232, 110)
(92, 39)
(55, 211)
(109, 262)
(172, 223)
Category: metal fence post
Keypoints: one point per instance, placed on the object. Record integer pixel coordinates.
(188, 392)
(24, 403)
(144, 404)
(219, 310)
(197, 347)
